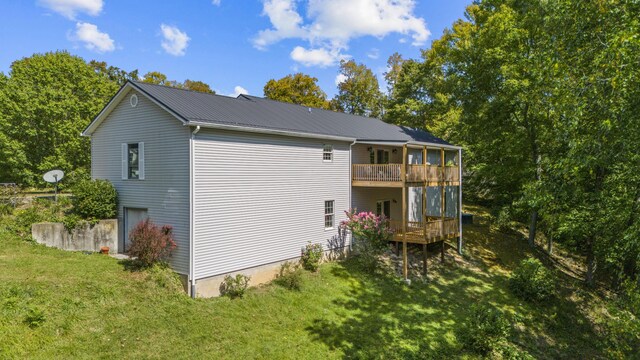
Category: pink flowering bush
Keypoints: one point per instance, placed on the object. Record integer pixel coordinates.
(370, 234)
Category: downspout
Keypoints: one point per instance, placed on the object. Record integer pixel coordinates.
(350, 182)
(460, 202)
(191, 214)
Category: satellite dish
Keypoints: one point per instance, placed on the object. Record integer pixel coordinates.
(53, 176)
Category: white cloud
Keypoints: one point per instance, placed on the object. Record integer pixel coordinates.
(373, 54)
(93, 39)
(175, 41)
(330, 25)
(340, 79)
(216, 2)
(70, 8)
(316, 57)
(239, 90)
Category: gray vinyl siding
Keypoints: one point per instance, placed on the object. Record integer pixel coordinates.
(259, 199)
(165, 189)
(364, 199)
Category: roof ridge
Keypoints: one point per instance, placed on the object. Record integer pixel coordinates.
(177, 88)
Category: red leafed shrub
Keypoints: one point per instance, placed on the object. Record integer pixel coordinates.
(151, 243)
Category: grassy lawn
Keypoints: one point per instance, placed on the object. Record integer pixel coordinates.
(92, 306)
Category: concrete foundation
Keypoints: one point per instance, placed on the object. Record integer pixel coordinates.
(210, 287)
(84, 238)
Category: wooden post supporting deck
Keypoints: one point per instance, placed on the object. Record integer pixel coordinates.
(424, 259)
(403, 171)
(442, 193)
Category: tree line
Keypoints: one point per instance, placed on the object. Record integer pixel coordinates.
(544, 97)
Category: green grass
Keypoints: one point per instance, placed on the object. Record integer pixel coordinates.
(92, 306)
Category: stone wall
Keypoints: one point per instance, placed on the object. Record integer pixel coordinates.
(85, 238)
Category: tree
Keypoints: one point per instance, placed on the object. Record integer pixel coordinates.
(158, 78)
(113, 73)
(45, 102)
(298, 89)
(359, 93)
(394, 68)
(196, 85)
(546, 108)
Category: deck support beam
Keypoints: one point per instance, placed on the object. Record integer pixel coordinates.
(424, 259)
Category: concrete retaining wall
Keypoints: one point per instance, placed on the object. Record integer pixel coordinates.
(84, 238)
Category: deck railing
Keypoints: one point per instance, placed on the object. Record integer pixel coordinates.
(415, 173)
(424, 230)
(377, 172)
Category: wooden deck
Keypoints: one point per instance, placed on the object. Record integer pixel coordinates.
(425, 232)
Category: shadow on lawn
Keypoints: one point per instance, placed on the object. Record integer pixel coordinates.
(387, 319)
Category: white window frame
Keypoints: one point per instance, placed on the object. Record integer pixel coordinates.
(327, 153)
(329, 216)
(125, 161)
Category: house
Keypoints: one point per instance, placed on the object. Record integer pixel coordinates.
(246, 182)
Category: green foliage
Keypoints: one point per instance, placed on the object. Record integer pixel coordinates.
(359, 92)
(546, 108)
(290, 276)
(9, 198)
(45, 102)
(150, 243)
(485, 330)
(95, 199)
(532, 281)
(298, 89)
(158, 78)
(235, 286)
(312, 256)
(113, 73)
(40, 210)
(35, 317)
(72, 221)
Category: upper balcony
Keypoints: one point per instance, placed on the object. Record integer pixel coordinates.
(392, 175)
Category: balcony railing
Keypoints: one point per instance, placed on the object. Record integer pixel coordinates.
(415, 173)
(425, 231)
(377, 172)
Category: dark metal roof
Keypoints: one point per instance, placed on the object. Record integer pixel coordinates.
(256, 112)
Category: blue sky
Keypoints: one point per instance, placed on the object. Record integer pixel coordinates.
(229, 44)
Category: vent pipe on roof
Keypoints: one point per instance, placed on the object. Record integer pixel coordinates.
(309, 110)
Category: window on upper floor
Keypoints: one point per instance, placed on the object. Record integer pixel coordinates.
(327, 153)
(133, 161)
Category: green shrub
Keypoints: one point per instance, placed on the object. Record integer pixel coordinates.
(24, 218)
(34, 318)
(311, 256)
(150, 243)
(370, 235)
(290, 276)
(95, 199)
(485, 330)
(532, 281)
(234, 286)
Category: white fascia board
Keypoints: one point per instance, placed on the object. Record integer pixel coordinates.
(269, 131)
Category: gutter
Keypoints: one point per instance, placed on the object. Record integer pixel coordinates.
(270, 131)
(191, 213)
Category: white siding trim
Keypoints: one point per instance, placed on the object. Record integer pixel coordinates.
(125, 161)
(141, 161)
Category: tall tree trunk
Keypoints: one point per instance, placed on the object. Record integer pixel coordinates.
(591, 264)
(533, 227)
(550, 244)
